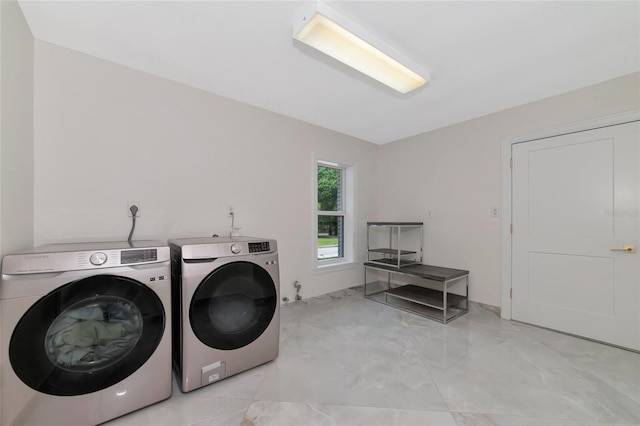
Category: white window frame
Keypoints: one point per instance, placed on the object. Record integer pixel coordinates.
(348, 212)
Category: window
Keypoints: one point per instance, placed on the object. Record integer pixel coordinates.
(334, 213)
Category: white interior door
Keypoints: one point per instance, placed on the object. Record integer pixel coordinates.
(576, 205)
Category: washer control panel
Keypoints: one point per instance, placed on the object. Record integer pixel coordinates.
(138, 256)
(259, 247)
(82, 256)
(235, 248)
(117, 257)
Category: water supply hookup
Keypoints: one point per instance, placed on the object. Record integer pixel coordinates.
(297, 286)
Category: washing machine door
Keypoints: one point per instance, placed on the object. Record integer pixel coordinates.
(87, 335)
(233, 305)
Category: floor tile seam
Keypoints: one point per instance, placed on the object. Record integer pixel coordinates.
(528, 359)
(337, 404)
(595, 377)
(596, 416)
(209, 417)
(440, 384)
(587, 416)
(617, 398)
(259, 387)
(503, 413)
(244, 414)
(598, 377)
(347, 327)
(208, 397)
(635, 398)
(451, 412)
(544, 418)
(345, 405)
(437, 387)
(465, 363)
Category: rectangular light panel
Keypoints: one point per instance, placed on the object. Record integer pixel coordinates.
(325, 35)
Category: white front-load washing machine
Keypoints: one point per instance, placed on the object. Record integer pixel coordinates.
(86, 332)
(226, 310)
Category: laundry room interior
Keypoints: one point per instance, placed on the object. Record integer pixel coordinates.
(93, 121)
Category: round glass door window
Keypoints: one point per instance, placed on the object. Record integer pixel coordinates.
(233, 305)
(87, 335)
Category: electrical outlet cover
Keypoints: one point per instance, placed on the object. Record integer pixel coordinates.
(134, 203)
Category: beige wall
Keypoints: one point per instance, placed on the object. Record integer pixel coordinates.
(16, 130)
(106, 134)
(456, 173)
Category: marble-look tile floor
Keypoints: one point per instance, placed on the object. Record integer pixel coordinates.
(345, 360)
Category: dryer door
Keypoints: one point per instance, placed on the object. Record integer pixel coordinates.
(87, 335)
(233, 305)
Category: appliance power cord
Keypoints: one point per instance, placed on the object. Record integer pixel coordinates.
(134, 212)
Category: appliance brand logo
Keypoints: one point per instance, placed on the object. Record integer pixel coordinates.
(37, 256)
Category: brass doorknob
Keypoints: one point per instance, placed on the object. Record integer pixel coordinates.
(628, 248)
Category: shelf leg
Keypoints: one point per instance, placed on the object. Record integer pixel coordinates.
(365, 281)
(444, 300)
(399, 245)
(466, 301)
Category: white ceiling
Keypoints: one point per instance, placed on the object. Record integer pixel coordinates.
(483, 56)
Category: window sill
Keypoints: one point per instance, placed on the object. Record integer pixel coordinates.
(335, 266)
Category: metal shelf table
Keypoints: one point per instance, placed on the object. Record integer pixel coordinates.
(440, 305)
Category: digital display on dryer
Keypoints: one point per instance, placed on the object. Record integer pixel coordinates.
(138, 256)
(258, 247)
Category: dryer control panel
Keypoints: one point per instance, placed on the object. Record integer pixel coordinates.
(202, 249)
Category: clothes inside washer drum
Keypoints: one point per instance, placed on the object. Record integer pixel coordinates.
(79, 338)
(88, 333)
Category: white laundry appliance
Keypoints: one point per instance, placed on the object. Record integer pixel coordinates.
(226, 309)
(86, 332)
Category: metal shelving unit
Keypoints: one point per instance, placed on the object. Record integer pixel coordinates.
(392, 254)
(439, 304)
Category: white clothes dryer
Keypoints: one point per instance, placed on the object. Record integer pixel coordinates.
(226, 309)
(85, 332)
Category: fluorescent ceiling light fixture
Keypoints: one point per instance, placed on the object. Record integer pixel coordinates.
(331, 33)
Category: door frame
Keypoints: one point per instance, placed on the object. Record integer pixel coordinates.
(507, 142)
